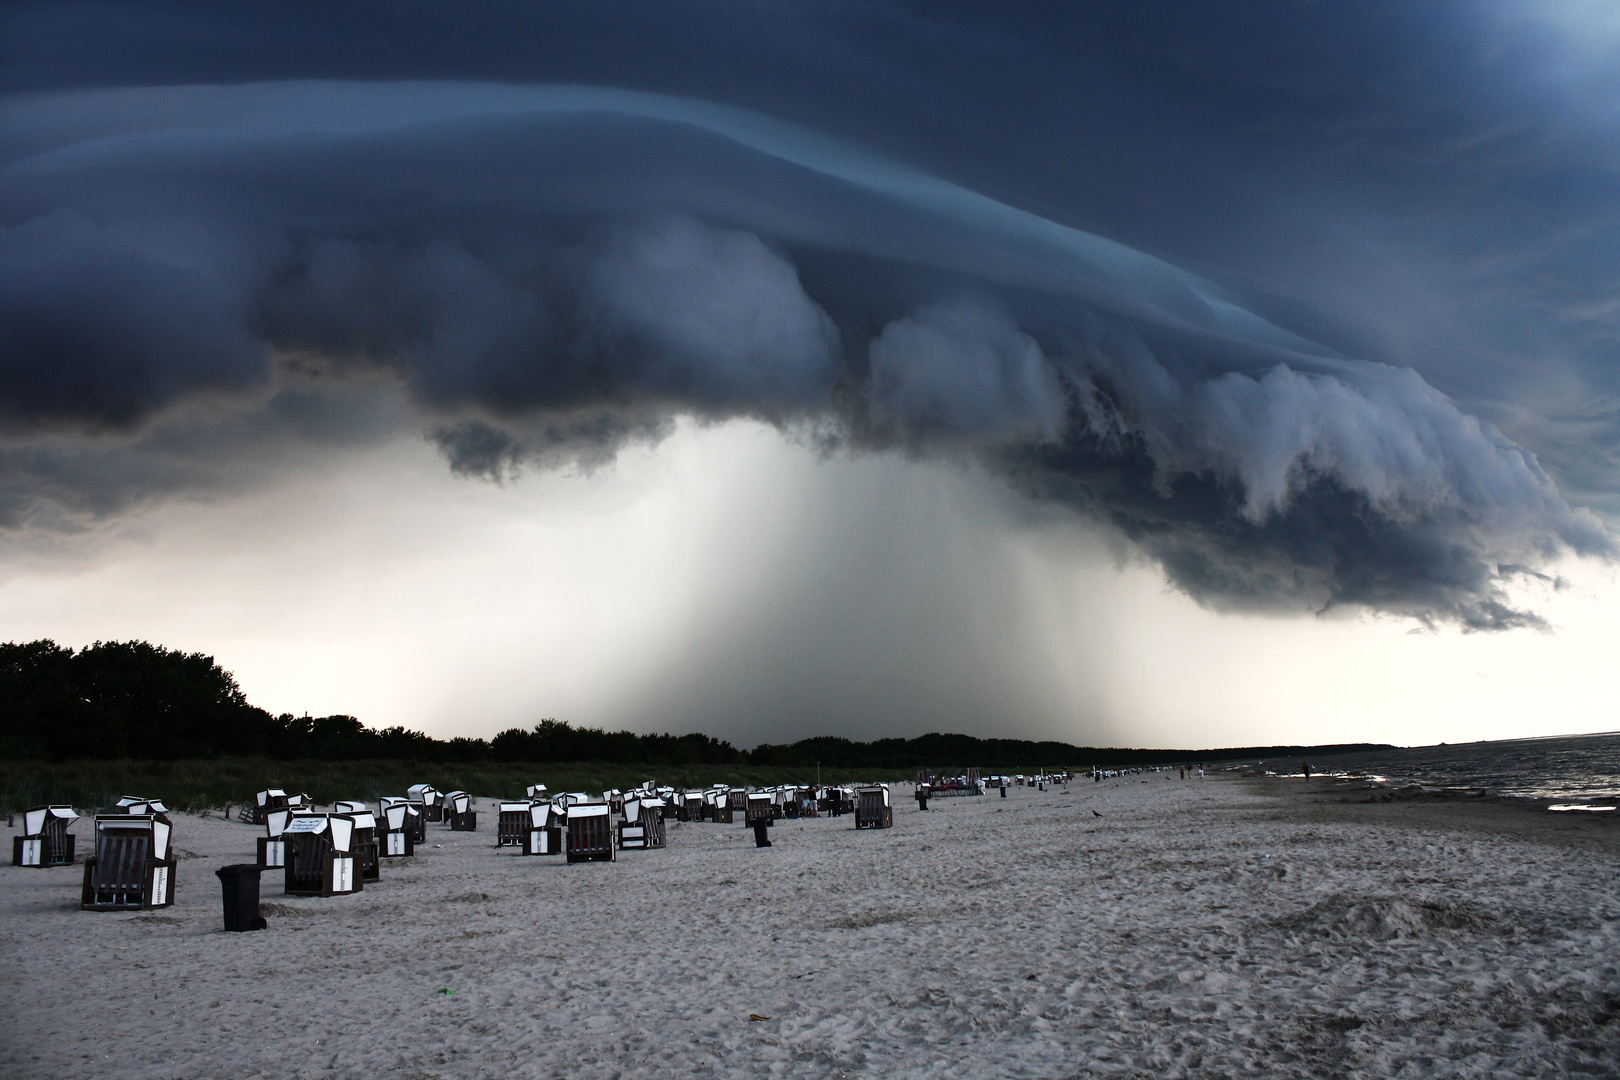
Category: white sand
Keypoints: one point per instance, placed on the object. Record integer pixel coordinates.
(1196, 929)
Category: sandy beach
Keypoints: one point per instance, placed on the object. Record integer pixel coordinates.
(1229, 927)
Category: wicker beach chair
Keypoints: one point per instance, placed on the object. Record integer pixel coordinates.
(320, 856)
(272, 845)
(45, 840)
(459, 812)
(652, 819)
(366, 848)
(132, 866)
(590, 833)
(544, 835)
(432, 802)
(760, 806)
(512, 824)
(267, 800)
(135, 804)
(398, 838)
(632, 830)
(872, 809)
(415, 816)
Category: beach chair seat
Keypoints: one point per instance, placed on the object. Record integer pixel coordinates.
(652, 820)
(590, 833)
(872, 809)
(45, 840)
(321, 860)
(132, 867)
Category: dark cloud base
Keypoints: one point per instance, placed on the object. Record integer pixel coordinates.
(549, 274)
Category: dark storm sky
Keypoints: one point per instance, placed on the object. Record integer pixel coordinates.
(1315, 305)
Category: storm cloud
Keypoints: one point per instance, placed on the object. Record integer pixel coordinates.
(547, 272)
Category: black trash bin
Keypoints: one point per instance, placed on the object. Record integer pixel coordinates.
(240, 884)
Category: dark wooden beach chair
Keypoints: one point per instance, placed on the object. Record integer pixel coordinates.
(272, 845)
(459, 812)
(320, 856)
(132, 867)
(759, 806)
(590, 833)
(512, 824)
(652, 819)
(432, 802)
(632, 830)
(45, 840)
(267, 800)
(136, 805)
(415, 817)
(367, 850)
(397, 839)
(544, 835)
(872, 809)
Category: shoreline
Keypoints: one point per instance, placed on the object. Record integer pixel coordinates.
(1356, 800)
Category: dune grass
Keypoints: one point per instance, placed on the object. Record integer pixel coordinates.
(230, 781)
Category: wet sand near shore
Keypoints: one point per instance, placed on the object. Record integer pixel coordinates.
(1335, 799)
(1137, 927)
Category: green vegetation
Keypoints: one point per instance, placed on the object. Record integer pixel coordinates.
(231, 781)
(116, 718)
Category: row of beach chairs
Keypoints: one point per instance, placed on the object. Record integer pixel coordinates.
(338, 852)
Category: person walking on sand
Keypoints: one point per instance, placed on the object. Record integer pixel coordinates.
(1305, 767)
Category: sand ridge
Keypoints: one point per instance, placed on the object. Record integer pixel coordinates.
(1210, 928)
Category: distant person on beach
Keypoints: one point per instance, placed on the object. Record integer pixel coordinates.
(1305, 767)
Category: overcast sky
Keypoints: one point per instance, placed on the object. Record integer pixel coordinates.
(1155, 374)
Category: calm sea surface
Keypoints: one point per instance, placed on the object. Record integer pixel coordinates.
(1568, 767)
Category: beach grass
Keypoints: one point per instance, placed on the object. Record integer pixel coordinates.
(215, 783)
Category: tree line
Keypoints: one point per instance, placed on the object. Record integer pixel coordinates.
(135, 700)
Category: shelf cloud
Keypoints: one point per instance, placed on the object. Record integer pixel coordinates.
(548, 272)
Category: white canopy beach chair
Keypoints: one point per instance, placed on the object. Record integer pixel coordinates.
(459, 812)
(272, 845)
(320, 856)
(431, 800)
(45, 840)
(397, 840)
(590, 833)
(512, 823)
(544, 835)
(132, 866)
(872, 809)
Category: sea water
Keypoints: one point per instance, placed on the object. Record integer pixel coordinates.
(1567, 767)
